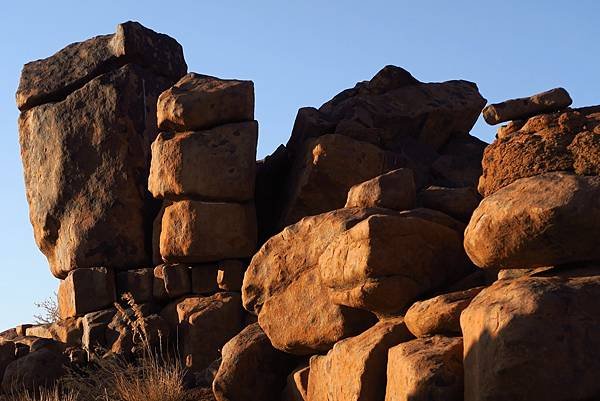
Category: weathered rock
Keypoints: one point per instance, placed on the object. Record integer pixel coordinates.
(565, 141)
(199, 232)
(459, 163)
(138, 330)
(439, 315)
(94, 327)
(230, 275)
(86, 161)
(515, 330)
(199, 102)
(296, 388)
(40, 368)
(537, 221)
(86, 290)
(384, 263)
(456, 202)
(217, 164)
(251, 369)
(204, 325)
(68, 331)
(518, 109)
(204, 278)
(392, 107)
(393, 190)
(426, 369)
(53, 78)
(7, 355)
(137, 282)
(172, 281)
(355, 369)
(329, 166)
(283, 280)
(435, 216)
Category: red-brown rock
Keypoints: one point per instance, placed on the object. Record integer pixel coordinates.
(393, 190)
(86, 290)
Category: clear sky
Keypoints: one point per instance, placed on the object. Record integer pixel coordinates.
(298, 53)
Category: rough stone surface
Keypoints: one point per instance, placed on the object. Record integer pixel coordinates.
(384, 263)
(94, 327)
(53, 78)
(198, 232)
(538, 221)
(518, 109)
(251, 369)
(40, 368)
(426, 369)
(217, 164)
(439, 315)
(334, 162)
(86, 290)
(86, 161)
(296, 388)
(171, 281)
(565, 141)
(137, 282)
(199, 102)
(67, 331)
(7, 355)
(393, 190)
(204, 278)
(456, 202)
(283, 280)
(230, 275)
(515, 330)
(355, 369)
(459, 163)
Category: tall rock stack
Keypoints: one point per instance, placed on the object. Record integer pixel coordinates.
(535, 336)
(88, 117)
(203, 167)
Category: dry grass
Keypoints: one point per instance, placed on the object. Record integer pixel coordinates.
(53, 394)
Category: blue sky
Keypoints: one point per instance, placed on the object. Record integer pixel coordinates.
(298, 53)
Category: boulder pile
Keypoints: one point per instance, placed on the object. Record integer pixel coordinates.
(382, 254)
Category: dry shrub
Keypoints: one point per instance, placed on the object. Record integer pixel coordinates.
(53, 394)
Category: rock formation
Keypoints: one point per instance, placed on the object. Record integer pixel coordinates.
(381, 255)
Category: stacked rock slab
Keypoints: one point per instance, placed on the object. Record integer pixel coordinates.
(392, 121)
(203, 168)
(541, 208)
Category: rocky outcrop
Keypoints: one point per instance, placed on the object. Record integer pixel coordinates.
(393, 190)
(86, 290)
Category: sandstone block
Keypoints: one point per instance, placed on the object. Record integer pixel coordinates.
(172, 281)
(137, 282)
(517, 109)
(204, 278)
(384, 263)
(230, 275)
(439, 315)
(217, 164)
(94, 327)
(393, 190)
(355, 369)
(515, 330)
(425, 369)
(199, 232)
(198, 102)
(86, 290)
(52, 78)
(538, 221)
(251, 369)
(456, 202)
(296, 388)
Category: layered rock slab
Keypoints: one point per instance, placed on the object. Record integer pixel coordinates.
(283, 280)
(516, 329)
(251, 369)
(355, 368)
(538, 221)
(216, 164)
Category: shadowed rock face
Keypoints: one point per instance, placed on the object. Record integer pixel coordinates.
(86, 156)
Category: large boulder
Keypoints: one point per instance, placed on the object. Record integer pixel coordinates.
(538, 221)
(355, 369)
(564, 141)
(40, 368)
(199, 102)
(439, 315)
(86, 160)
(86, 290)
(456, 202)
(53, 78)
(426, 369)
(198, 232)
(283, 280)
(519, 109)
(385, 262)
(517, 332)
(7, 354)
(459, 163)
(217, 164)
(393, 190)
(251, 369)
